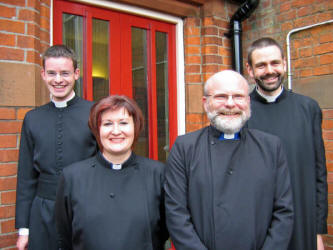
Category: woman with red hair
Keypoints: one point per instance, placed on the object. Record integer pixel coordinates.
(113, 200)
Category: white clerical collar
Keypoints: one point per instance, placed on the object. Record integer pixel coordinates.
(224, 136)
(269, 98)
(62, 104)
(116, 166)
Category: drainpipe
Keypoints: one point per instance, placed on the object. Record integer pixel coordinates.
(235, 33)
(288, 46)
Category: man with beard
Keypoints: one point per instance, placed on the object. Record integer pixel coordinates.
(228, 187)
(296, 119)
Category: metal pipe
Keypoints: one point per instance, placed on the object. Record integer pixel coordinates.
(244, 11)
(237, 46)
(288, 46)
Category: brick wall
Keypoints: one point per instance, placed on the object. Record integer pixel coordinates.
(311, 60)
(24, 34)
(207, 51)
(10, 126)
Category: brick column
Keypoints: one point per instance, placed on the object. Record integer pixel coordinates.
(24, 35)
(207, 51)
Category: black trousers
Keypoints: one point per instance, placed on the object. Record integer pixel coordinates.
(42, 229)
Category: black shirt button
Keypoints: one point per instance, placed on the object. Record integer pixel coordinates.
(112, 195)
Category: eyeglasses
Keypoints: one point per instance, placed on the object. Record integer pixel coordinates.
(62, 74)
(223, 98)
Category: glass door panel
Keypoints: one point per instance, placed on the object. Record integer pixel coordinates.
(100, 58)
(162, 95)
(140, 84)
(73, 38)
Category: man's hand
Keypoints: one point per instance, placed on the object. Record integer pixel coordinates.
(22, 242)
(320, 242)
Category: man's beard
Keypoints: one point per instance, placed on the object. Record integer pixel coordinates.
(228, 125)
(269, 88)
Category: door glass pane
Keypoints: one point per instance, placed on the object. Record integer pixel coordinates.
(72, 37)
(100, 54)
(162, 95)
(139, 83)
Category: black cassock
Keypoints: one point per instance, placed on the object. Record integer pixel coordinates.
(51, 138)
(230, 194)
(99, 208)
(296, 119)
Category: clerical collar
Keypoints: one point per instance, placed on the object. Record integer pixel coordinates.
(116, 166)
(269, 98)
(108, 164)
(224, 136)
(62, 104)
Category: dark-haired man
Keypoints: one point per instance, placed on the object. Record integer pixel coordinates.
(53, 136)
(227, 187)
(296, 119)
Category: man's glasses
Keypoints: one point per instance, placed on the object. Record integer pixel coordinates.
(62, 74)
(223, 98)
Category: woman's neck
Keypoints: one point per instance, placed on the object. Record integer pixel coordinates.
(116, 158)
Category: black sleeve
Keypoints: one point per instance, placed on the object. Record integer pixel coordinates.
(280, 230)
(321, 174)
(27, 177)
(64, 215)
(178, 216)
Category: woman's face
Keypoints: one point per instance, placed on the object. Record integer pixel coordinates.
(116, 133)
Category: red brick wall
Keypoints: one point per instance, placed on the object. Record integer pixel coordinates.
(24, 33)
(10, 126)
(207, 51)
(328, 137)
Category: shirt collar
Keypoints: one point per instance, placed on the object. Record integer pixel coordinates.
(269, 98)
(224, 136)
(62, 104)
(129, 162)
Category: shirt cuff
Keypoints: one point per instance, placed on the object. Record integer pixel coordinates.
(23, 231)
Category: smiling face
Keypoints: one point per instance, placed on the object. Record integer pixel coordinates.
(116, 134)
(268, 69)
(59, 76)
(227, 102)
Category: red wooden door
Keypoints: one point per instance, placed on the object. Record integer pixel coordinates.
(125, 54)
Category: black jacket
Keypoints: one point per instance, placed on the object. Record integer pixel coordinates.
(51, 138)
(296, 120)
(101, 208)
(232, 194)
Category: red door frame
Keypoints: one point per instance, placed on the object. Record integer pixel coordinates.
(121, 83)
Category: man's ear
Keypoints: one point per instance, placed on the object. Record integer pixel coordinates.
(43, 74)
(249, 70)
(285, 65)
(205, 102)
(77, 73)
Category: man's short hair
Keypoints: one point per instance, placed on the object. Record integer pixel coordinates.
(262, 43)
(60, 50)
